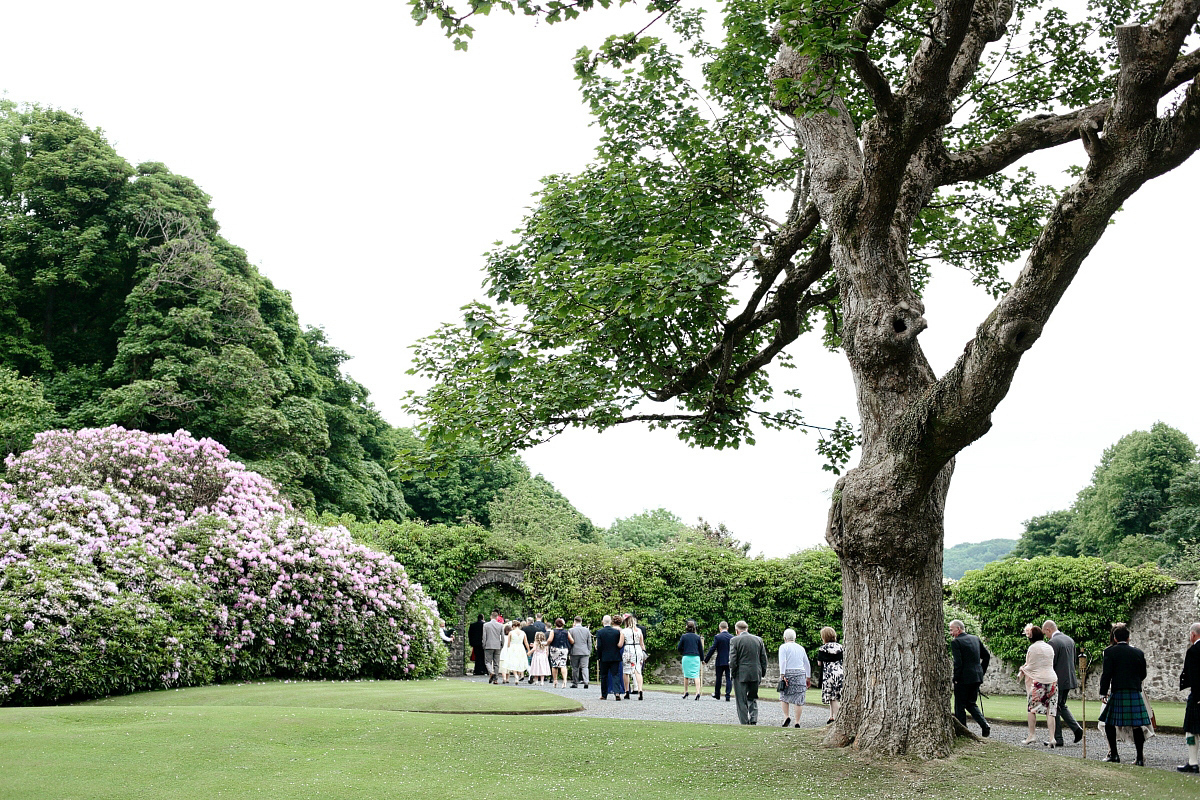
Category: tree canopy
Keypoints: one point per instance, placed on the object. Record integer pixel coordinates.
(807, 174)
(1141, 505)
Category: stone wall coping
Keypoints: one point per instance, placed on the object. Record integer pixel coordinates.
(486, 565)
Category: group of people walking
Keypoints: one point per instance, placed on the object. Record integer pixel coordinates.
(1049, 673)
(529, 650)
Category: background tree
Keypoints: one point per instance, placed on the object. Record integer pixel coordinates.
(973, 555)
(120, 297)
(534, 509)
(23, 413)
(648, 529)
(664, 273)
(463, 487)
(1133, 511)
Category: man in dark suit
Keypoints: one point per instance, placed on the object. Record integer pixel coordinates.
(1123, 673)
(475, 639)
(971, 660)
(720, 646)
(608, 649)
(1190, 679)
(1064, 668)
(748, 664)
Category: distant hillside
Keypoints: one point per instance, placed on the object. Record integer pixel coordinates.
(973, 555)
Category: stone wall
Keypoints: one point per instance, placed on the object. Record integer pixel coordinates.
(1159, 627)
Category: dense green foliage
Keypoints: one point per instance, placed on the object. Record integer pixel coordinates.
(122, 302)
(665, 587)
(973, 555)
(24, 411)
(648, 529)
(1085, 596)
(1142, 505)
(534, 509)
(464, 486)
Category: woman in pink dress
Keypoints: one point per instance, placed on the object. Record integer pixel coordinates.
(539, 666)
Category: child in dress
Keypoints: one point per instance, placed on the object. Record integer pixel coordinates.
(539, 667)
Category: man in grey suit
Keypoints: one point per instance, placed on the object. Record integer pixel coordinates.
(493, 641)
(581, 650)
(1064, 668)
(748, 665)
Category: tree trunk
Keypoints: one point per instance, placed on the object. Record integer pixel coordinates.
(895, 700)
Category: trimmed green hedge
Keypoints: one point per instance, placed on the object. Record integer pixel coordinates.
(663, 587)
(1085, 596)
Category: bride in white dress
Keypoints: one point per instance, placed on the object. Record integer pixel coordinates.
(514, 656)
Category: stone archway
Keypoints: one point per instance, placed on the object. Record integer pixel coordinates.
(508, 573)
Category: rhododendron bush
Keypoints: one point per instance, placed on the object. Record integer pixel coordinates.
(134, 561)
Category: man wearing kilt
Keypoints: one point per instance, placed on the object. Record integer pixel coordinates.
(1124, 671)
(1190, 679)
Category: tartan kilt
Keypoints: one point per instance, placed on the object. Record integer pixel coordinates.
(1125, 709)
(1191, 714)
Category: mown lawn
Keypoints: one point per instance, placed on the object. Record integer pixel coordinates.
(142, 747)
(437, 695)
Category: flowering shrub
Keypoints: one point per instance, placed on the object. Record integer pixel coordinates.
(133, 561)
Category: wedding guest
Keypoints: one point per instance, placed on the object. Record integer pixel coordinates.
(691, 649)
(1041, 684)
(560, 646)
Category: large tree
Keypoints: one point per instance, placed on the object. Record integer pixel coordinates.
(893, 131)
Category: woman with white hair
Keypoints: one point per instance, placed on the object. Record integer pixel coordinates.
(794, 670)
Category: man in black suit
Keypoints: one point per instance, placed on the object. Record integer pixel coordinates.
(475, 639)
(748, 663)
(1190, 679)
(720, 646)
(971, 660)
(1123, 673)
(608, 649)
(1064, 668)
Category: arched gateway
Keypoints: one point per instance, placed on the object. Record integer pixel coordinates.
(509, 573)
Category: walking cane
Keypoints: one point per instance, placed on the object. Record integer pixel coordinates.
(1083, 671)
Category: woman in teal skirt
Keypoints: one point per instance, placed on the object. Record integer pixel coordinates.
(691, 648)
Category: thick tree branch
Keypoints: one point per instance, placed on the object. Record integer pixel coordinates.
(956, 410)
(784, 307)
(1147, 54)
(869, 18)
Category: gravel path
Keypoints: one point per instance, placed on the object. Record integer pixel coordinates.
(1164, 751)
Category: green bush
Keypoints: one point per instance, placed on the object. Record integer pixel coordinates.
(96, 634)
(1085, 596)
(663, 587)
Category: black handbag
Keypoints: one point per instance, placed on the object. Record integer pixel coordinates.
(782, 687)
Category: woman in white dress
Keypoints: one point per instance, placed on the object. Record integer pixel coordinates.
(518, 654)
(633, 656)
(504, 652)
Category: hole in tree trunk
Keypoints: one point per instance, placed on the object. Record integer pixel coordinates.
(898, 325)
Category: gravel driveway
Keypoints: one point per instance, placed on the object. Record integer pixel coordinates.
(1164, 751)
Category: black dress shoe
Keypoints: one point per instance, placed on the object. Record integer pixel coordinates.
(1188, 768)
(787, 722)
(576, 686)
(986, 732)
(1141, 762)
(1078, 735)
(1059, 743)
(585, 686)
(726, 698)
(1112, 758)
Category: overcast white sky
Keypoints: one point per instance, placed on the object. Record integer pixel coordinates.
(365, 167)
